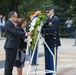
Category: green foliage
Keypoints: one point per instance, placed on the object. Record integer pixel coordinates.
(63, 8)
(8, 5)
(28, 6)
(39, 18)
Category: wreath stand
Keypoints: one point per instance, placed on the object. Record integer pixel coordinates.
(36, 70)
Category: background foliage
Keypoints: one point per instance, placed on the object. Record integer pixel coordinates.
(63, 9)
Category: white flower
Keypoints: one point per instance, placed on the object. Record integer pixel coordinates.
(32, 28)
(29, 40)
(34, 20)
(32, 24)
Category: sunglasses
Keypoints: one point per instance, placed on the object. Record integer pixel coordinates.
(47, 11)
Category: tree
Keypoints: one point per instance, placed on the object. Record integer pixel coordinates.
(65, 8)
(8, 5)
(28, 6)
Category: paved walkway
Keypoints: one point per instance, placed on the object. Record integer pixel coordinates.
(66, 58)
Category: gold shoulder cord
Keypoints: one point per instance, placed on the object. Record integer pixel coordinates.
(55, 56)
(54, 18)
(55, 48)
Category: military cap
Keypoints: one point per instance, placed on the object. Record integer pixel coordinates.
(49, 7)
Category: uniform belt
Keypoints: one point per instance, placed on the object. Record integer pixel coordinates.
(48, 33)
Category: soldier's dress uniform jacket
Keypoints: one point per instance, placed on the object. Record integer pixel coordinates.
(50, 30)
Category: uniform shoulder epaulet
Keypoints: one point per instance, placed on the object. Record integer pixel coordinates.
(46, 19)
(56, 18)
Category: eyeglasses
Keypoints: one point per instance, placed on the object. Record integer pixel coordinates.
(47, 11)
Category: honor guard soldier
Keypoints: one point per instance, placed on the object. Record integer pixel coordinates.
(50, 30)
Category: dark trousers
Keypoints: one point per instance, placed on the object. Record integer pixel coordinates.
(49, 64)
(30, 52)
(10, 59)
(69, 30)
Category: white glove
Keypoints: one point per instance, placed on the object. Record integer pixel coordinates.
(26, 40)
(39, 28)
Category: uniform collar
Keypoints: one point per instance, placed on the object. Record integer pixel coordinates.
(51, 15)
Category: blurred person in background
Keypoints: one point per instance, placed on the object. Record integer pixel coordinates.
(3, 25)
(69, 25)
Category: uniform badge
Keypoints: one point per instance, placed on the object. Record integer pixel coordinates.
(50, 24)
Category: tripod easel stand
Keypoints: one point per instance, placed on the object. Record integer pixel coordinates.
(36, 70)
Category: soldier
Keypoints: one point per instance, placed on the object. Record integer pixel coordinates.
(51, 31)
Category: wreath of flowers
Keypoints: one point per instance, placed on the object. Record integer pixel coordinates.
(37, 17)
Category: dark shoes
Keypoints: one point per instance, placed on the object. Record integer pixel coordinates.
(33, 64)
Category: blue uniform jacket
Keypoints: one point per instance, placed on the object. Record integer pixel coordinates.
(51, 31)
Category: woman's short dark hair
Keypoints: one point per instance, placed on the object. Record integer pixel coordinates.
(20, 22)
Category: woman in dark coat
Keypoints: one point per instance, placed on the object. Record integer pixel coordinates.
(20, 58)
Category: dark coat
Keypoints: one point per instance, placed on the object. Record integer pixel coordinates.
(22, 43)
(12, 35)
(51, 31)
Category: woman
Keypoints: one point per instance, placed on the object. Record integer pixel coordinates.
(20, 58)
